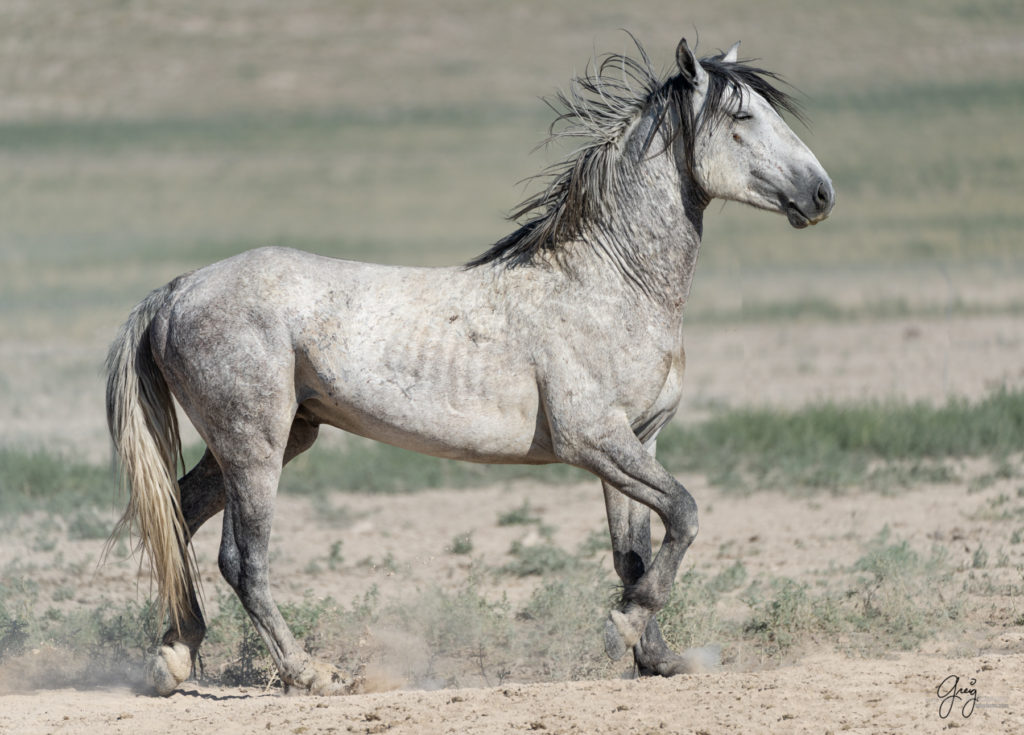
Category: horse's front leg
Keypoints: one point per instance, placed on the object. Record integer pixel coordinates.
(630, 525)
(625, 465)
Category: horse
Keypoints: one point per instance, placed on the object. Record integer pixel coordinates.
(563, 342)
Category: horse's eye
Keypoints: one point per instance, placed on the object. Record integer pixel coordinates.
(741, 115)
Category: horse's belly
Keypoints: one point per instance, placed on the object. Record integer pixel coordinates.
(470, 432)
(476, 405)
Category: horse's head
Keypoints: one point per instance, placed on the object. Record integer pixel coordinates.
(742, 149)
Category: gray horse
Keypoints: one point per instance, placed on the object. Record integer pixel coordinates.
(562, 343)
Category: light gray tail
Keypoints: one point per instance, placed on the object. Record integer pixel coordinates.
(144, 427)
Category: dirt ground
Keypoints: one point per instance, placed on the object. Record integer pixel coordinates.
(819, 691)
(816, 690)
(822, 695)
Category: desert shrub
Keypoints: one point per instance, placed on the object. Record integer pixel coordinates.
(521, 515)
(467, 636)
(325, 629)
(80, 647)
(462, 544)
(690, 617)
(537, 559)
(88, 524)
(901, 597)
(785, 613)
(559, 630)
(13, 633)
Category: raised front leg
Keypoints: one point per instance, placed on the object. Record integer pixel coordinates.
(630, 525)
(623, 463)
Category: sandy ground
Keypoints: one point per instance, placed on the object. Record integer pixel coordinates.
(817, 691)
(821, 695)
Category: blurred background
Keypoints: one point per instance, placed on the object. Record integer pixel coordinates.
(139, 140)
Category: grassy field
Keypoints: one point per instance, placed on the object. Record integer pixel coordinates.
(826, 447)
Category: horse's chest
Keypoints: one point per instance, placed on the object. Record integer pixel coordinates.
(659, 401)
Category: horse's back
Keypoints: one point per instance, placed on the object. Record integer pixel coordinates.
(276, 291)
(418, 357)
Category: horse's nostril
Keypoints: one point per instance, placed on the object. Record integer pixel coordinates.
(823, 195)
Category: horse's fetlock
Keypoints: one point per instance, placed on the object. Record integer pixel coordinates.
(629, 565)
(320, 678)
(624, 628)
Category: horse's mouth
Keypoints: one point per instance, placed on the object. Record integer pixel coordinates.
(813, 209)
(797, 218)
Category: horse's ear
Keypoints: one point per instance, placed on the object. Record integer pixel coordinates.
(732, 55)
(688, 65)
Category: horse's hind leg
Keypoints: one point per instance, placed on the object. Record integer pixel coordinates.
(202, 497)
(250, 484)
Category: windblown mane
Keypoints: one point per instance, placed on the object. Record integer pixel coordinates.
(599, 107)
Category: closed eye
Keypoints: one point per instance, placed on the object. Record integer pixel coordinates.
(741, 115)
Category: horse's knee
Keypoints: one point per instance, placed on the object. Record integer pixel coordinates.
(683, 523)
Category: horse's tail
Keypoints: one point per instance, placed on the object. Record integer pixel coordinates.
(144, 427)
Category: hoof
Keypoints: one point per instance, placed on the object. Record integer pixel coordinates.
(168, 667)
(619, 635)
(691, 661)
(325, 680)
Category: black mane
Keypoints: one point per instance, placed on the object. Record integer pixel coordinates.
(599, 107)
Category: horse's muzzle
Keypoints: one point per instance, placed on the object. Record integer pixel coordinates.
(817, 206)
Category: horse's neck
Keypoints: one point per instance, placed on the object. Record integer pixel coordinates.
(650, 233)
